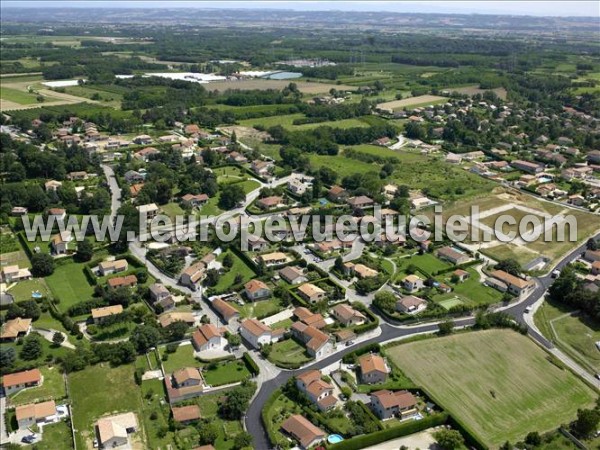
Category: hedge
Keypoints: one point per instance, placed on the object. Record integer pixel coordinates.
(459, 266)
(367, 440)
(373, 319)
(374, 347)
(370, 414)
(265, 419)
(251, 364)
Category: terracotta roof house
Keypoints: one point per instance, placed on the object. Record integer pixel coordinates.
(387, 404)
(99, 314)
(186, 414)
(269, 202)
(596, 268)
(258, 334)
(126, 281)
(317, 342)
(145, 153)
(191, 129)
(307, 317)
(345, 335)
(256, 290)
(135, 189)
(303, 431)
(225, 310)
(317, 390)
(311, 293)
(461, 274)
(15, 328)
(114, 431)
(527, 166)
(184, 384)
(347, 315)
(207, 337)
(273, 259)
(362, 201)
(293, 275)
(373, 369)
(34, 413)
(191, 276)
(360, 270)
(337, 194)
(453, 256)
(516, 285)
(171, 317)
(195, 201)
(59, 244)
(204, 447)
(14, 382)
(409, 304)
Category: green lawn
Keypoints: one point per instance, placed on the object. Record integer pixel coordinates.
(427, 262)
(286, 323)
(343, 166)
(114, 331)
(249, 185)
(286, 121)
(69, 285)
(260, 308)
(48, 350)
(115, 392)
(497, 382)
(23, 289)
(53, 387)
(575, 335)
(226, 373)
(18, 96)
(172, 209)
(288, 351)
(211, 208)
(471, 291)
(183, 357)
(279, 411)
(56, 436)
(239, 268)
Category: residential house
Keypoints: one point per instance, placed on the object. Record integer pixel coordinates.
(258, 334)
(303, 431)
(191, 276)
(592, 255)
(256, 290)
(114, 431)
(453, 256)
(150, 210)
(237, 158)
(109, 267)
(527, 166)
(576, 200)
(297, 186)
(142, 139)
(133, 176)
(100, 314)
(184, 384)
(307, 317)
(270, 202)
(195, 201)
(387, 404)
(225, 310)
(134, 189)
(262, 168)
(593, 156)
(412, 283)
(18, 211)
(257, 244)
(337, 194)
(318, 391)
(317, 342)
(293, 275)
(171, 317)
(360, 202)
(12, 274)
(409, 304)
(59, 213)
(126, 281)
(373, 369)
(461, 274)
(360, 270)
(347, 315)
(516, 285)
(14, 329)
(311, 293)
(14, 382)
(145, 153)
(158, 292)
(596, 268)
(208, 337)
(273, 259)
(454, 158)
(186, 414)
(35, 413)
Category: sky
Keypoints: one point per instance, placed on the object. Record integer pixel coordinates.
(533, 8)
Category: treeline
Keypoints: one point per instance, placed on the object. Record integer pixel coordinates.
(316, 113)
(326, 72)
(260, 97)
(163, 92)
(568, 289)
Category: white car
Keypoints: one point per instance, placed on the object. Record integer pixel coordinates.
(528, 309)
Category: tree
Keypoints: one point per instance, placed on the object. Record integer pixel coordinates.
(385, 301)
(32, 347)
(586, 423)
(445, 328)
(175, 331)
(85, 251)
(228, 260)
(58, 338)
(339, 264)
(231, 196)
(8, 356)
(237, 401)
(208, 432)
(448, 439)
(534, 439)
(242, 440)
(509, 265)
(42, 265)
(144, 337)
(234, 340)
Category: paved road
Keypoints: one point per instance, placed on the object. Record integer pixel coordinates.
(115, 191)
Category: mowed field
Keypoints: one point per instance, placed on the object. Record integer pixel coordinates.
(497, 382)
(303, 86)
(420, 100)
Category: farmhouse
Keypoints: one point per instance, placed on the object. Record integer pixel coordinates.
(258, 334)
(299, 428)
(318, 391)
(452, 256)
(516, 285)
(373, 369)
(14, 382)
(311, 293)
(410, 304)
(15, 328)
(186, 414)
(114, 431)
(225, 310)
(100, 314)
(292, 275)
(110, 267)
(35, 413)
(347, 315)
(207, 337)
(387, 404)
(256, 290)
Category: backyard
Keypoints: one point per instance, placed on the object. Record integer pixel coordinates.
(183, 357)
(239, 272)
(288, 353)
(69, 284)
(260, 308)
(53, 387)
(225, 373)
(498, 382)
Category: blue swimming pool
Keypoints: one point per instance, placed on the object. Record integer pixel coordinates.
(36, 294)
(334, 438)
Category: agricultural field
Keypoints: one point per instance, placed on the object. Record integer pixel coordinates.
(287, 121)
(303, 86)
(413, 102)
(573, 333)
(498, 383)
(474, 90)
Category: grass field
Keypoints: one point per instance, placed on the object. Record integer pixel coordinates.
(239, 268)
(471, 291)
(303, 86)
(53, 387)
(497, 382)
(18, 96)
(286, 121)
(117, 392)
(183, 357)
(261, 308)
(23, 289)
(288, 351)
(576, 335)
(56, 435)
(226, 373)
(413, 102)
(69, 285)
